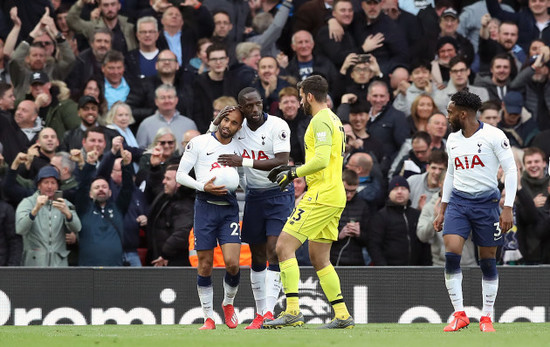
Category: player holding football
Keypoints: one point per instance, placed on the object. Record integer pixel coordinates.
(216, 215)
(470, 202)
(316, 216)
(265, 141)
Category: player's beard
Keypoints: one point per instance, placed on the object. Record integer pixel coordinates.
(307, 108)
(455, 125)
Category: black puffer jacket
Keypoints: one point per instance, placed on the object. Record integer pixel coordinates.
(169, 222)
(349, 251)
(392, 237)
(11, 244)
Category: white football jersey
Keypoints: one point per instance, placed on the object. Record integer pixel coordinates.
(270, 138)
(202, 153)
(474, 161)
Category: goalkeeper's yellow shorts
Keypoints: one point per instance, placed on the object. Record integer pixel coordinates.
(315, 222)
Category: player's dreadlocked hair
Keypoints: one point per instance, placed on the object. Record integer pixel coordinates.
(466, 100)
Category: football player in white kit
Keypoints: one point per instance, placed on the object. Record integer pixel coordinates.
(470, 202)
(216, 214)
(265, 140)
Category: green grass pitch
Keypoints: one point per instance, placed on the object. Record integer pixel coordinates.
(402, 335)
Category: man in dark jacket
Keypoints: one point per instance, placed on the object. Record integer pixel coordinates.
(386, 124)
(392, 236)
(380, 36)
(170, 218)
(88, 62)
(352, 238)
(11, 244)
(102, 218)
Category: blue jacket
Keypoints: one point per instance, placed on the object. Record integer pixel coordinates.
(102, 228)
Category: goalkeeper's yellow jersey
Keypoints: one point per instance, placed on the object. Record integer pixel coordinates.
(325, 186)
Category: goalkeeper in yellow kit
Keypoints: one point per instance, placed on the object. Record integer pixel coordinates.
(316, 216)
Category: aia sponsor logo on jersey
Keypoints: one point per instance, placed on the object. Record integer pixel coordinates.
(466, 162)
(260, 155)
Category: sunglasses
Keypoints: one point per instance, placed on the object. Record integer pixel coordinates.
(162, 143)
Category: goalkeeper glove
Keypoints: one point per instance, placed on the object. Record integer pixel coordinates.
(283, 175)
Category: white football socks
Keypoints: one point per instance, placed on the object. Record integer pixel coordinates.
(229, 293)
(206, 296)
(273, 289)
(453, 282)
(489, 290)
(258, 284)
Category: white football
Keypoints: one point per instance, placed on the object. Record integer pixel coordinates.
(226, 176)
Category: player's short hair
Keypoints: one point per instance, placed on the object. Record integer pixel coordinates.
(350, 177)
(223, 101)
(466, 100)
(422, 135)
(113, 56)
(315, 85)
(532, 151)
(489, 105)
(245, 91)
(359, 106)
(289, 91)
(438, 157)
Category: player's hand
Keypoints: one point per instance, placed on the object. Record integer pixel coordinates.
(438, 222)
(224, 112)
(506, 219)
(230, 160)
(209, 187)
(283, 175)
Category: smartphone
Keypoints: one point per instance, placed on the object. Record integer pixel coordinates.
(363, 58)
(58, 195)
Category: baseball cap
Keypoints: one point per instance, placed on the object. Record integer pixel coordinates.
(47, 171)
(450, 12)
(398, 181)
(513, 102)
(39, 77)
(86, 99)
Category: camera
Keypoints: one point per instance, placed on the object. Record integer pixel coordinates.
(363, 58)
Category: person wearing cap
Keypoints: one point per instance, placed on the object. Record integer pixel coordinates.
(88, 111)
(46, 224)
(448, 23)
(392, 239)
(516, 122)
(51, 98)
(421, 85)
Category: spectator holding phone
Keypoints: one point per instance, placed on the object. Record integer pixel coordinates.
(47, 222)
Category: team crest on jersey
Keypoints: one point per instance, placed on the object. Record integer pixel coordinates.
(283, 135)
(189, 146)
(505, 143)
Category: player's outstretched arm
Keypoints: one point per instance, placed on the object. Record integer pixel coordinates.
(264, 165)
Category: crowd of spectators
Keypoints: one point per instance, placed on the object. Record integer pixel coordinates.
(98, 99)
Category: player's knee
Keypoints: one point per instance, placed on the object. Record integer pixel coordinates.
(489, 268)
(232, 266)
(452, 262)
